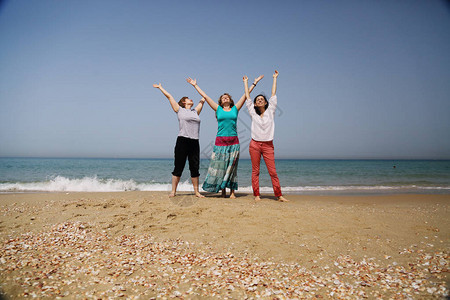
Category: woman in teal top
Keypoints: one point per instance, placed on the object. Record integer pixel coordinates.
(226, 121)
(222, 171)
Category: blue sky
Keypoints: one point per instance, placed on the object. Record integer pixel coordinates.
(358, 79)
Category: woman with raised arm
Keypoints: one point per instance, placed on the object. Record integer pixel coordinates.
(262, 113)
(222, 171)
(187, 145)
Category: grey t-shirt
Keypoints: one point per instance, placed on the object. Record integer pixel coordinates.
(189, 122)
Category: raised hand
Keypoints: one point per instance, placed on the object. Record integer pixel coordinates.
(192, 81)
(274, 85)
(208, 99)
(246, 91)
(275, 75)
(172, 101)
(258, 79)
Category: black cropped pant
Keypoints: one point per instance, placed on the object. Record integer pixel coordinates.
(190, 149)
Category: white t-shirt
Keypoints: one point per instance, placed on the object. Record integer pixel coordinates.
(263, 128)
(189, 123)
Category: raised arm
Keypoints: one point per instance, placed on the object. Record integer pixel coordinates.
(199, 106)
(242, 100)
(247, 92)
(274, 86)
(210, 101)
(172, 101)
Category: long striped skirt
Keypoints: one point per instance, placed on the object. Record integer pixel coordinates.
(222, 171)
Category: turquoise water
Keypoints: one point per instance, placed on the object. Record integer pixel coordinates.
(296, 176)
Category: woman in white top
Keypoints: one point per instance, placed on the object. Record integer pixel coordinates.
(262, 113)
(187, 145)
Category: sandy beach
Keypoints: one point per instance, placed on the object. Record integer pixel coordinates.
(143, 245)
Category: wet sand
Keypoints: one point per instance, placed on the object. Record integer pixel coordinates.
(143, 245)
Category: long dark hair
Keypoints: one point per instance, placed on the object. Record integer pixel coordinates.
(265, 106)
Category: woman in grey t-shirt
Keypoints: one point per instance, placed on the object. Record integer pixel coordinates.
(187, 146)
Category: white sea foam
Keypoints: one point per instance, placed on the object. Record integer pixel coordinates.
(86, 184)
(359, 188)
(300, 189)
(94, 184)
(90, 184)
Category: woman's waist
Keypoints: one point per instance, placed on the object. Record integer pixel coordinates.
(226, 140)
(262, 141)
(184, 137)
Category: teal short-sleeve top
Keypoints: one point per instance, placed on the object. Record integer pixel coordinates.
(226, 121)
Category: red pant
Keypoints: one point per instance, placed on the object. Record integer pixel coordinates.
(265, 149)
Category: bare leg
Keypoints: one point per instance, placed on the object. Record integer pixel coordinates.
(195, 184)
(175, 181)
(224, 193)
(232, 195)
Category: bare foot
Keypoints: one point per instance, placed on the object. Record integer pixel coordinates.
(198, 195)
(172, 195)
(232, 196)
(257, 199)
(282, 199)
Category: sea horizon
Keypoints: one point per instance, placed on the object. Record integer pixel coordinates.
(297, 176)
(276, 158)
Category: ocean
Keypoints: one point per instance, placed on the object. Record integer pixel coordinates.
(296, 176)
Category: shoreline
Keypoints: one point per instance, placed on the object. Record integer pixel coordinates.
(331, 193)
(404, 239)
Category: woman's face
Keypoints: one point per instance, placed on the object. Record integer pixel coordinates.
(225, 99)
(188, 102)
(260, 101)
